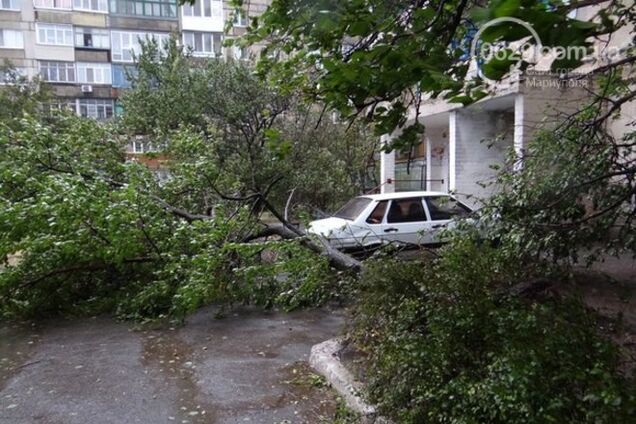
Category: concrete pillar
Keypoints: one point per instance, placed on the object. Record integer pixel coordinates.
(452, 151)
(519, 130)
(387, 168)
(428, 147)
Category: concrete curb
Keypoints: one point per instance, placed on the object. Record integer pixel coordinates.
(325, 359)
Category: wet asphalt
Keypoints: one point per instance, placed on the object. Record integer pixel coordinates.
(250, 366)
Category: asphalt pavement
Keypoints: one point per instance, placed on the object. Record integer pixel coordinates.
(250, 366)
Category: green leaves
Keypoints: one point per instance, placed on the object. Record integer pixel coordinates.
(444, 344)
(357, 55)
(506, 7)
(89, 232)
(496, 68)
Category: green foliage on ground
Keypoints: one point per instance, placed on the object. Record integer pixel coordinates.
(85, 230)
(448, 344)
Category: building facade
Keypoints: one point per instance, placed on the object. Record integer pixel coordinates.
(463, 145)
(83, 48)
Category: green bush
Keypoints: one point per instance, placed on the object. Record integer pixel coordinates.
(446, 345)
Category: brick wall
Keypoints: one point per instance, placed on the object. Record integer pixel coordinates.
(482, 139)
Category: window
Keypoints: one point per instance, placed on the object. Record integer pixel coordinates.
(59, 105)
(410, 175)
(124, 44)
(378, 213)
(92, 5)
(203, 43)
(92, 38)
(353, 208)
(153, 8)
(9, 4)
(204, 8)
(122, 74)
(59, 35)
(240, 19)
(10, 39)
(53, 4)
(139, 145)
(239, 52)
(94, 73)
(444, 208)
(57, 71)
(95, 108)
(406, 210)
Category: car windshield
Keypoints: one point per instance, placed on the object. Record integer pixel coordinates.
(353, 208)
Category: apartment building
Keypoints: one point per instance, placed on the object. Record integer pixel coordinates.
(83, 48)
(461, 144)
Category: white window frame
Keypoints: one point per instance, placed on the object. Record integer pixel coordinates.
(189, 41)
(15, 36)
(215, 6)
(102, 5)
(53, 4)
(139, 145)
(240, 53)
(66, 30)
(102, 73)
(104, 36)
(60, 66)
(154, 9)
(13, 5)
(60, 104)
(241, 20)
(122, 42)
(95, 104)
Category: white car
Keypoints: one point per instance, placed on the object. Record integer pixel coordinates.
(415, 217)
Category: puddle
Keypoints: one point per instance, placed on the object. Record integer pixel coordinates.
(319, 402)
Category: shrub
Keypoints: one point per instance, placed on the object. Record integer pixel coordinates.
(445, 344)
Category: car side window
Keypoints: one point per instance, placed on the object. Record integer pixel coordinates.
(444, 208)
(406, 210)
(378, 213)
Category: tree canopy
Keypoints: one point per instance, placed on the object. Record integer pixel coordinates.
(85, 229)
(374, 58)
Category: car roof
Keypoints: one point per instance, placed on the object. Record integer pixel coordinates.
(404, 195)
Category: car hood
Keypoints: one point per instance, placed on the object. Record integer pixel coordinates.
(325, 227)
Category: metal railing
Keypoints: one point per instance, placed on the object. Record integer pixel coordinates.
(377, 189)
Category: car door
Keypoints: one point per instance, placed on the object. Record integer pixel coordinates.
(406, 221)
(374, 223)
(442, 210)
